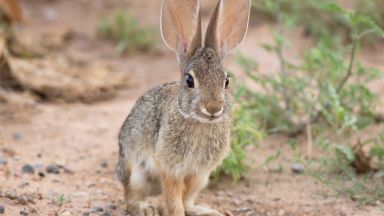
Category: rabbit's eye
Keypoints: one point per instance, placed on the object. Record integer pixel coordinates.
(190, 81)
(226, 82)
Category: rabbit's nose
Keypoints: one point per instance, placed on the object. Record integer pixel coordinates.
(215, 109)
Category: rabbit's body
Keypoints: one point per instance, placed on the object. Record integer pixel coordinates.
(157, 136)
(178, 132)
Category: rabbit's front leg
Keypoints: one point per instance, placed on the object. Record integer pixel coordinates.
(193, 185)
(173, 195)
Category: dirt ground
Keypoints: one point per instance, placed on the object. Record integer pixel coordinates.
(82, 138)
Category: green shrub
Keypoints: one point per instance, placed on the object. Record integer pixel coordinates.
(328, 90)
(316, 19)
(245, 131)
(328, 86)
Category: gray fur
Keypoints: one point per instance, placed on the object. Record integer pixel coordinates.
(175, 131)
(156, 129)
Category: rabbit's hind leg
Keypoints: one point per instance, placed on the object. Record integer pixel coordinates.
(136, 192)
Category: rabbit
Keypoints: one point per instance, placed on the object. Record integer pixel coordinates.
(179, 132)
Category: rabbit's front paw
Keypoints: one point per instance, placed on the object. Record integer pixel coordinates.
(145, 209)
(197, 210)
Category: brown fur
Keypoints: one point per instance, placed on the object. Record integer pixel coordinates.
(173, 192)
(176, 135)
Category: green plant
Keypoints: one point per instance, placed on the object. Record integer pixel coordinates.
(317, 20)
(244, 132)
(366, 189)
(326, 91)
(61, 200)
(319, 88)
(125, 29)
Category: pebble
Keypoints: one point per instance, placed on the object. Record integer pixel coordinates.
(21, 200)
(106, 214)
(9, 152)
(11, 194)
(24, 184)
(297, 168)
(28, 169)
(104, 163)
(17, 136)
(2, 209)
(111, 206)
(30, 199)
(98, 209)
(66, 169)
(24, 212)
(86, 214)
(53, 168)
(2, 162)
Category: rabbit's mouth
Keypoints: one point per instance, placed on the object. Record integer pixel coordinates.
(202, 117)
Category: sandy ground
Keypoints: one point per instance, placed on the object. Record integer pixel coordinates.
(82, 139)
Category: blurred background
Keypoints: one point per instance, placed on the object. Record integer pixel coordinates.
(308, 85)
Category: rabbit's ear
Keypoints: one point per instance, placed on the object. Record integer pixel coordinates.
(181, 26)
(228, 25)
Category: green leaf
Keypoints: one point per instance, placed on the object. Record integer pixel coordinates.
(345, 152)
(377, 151)
(332, 7)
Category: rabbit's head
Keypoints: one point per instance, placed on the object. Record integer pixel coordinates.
(204, 83)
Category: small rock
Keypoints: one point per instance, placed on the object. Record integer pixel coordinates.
(2, 162)
(8, 152)
(90, 184)
(28, 169)
(30, 199)
(106, 214)
(297, 168)
(24, 184)
(2, 209)
(86, 214)
(53, 168)
(104, 163)
(111, 206)
(24, 212)
(66, 169)
(21, 200)
(41, 174)
(17, 136)
(11, 194)
(98, 209)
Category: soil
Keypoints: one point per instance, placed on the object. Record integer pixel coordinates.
(81, 139)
